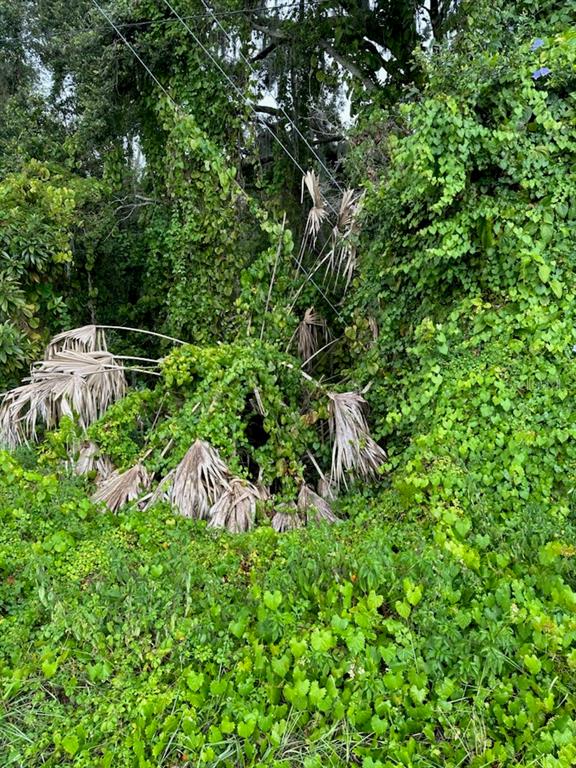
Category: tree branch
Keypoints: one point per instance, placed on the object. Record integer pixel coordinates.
(268, 110)
(354, 70)
(265, 52)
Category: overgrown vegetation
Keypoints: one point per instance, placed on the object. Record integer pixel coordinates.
(332, 523)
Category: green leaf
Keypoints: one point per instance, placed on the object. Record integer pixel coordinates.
(533, 664)
(322, 640)
(272, 600)
(544, 272)
(71, 744)
(49, 668)
(246, 728)
(556, 286)
(194, 680)
(403, 609)
(281, 665)
(298, 647)
(378, 726)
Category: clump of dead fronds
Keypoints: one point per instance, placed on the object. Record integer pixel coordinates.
(354, 452)
(88, 338)
(91, 461)
(342, 255)
(318, 213)
(75, 384)
(235, 510)
(196, 484)
(314, 507)
(312, 333)
(202, 487)
(123, 487)
(286, 518)
(199, 481)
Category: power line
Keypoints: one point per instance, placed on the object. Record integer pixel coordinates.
(286, 150)
(221, 14)
(291, 122)
(235, 87)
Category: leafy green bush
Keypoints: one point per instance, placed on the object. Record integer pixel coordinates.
(36, 215)
(244, 399)
(470, 274)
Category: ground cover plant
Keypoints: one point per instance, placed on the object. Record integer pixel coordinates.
(147, 639)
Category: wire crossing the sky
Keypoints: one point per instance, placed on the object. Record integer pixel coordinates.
(238, 91)
(290, 121)
(220, 15)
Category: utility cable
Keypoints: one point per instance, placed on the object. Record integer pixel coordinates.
(290, 121)
(221, 15)
(286, 150)
(238, 91)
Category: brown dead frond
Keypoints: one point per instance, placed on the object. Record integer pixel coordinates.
(354, 452)
(121, 488)
(311, 334)
(90, 460)
(314, 507)
(318, 213)
(196, 484)
(88, 338)
(11, 434)
(235, 510)
(160, 493)
(373, 326)
(286, 518)
(77, 384)
(199, 481)
(341, 259)
(325, 489)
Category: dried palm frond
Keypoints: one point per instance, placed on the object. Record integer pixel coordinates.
(314, 507)
(318, 213)
(11, 435)
(235, 510)
(325, 489)
(121, 488)
(82, 384)
(353, 451)
(91, 460)
(286, 518)
(199, 481)
(160, 493)
(88, 338)
(311, 333)
(342, 256)
(374, 330)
